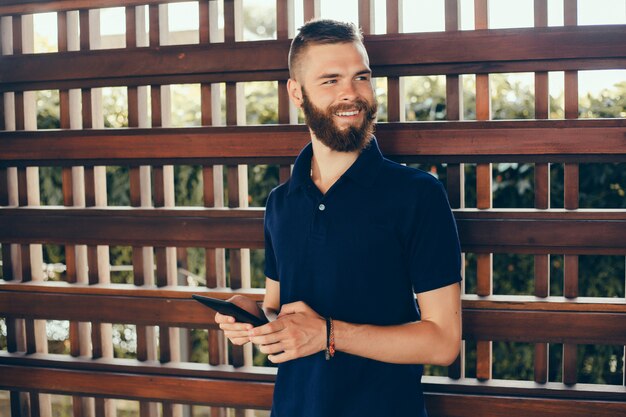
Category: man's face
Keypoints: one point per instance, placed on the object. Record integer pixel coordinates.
(345, 139)
(334, 90)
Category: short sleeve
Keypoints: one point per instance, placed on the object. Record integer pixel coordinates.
(434, 248)
(270, 257)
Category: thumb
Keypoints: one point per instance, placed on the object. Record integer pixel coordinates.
(292, 308)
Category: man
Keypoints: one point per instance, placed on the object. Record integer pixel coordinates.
(350, 239)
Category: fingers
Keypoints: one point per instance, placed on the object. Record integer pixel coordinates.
(272, 349)
(267, 339)
(236, 332)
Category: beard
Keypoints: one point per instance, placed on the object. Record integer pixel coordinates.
(323, 126)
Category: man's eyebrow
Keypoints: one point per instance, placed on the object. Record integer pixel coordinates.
(334, 75)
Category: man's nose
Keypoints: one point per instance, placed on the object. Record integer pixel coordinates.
(348, 91)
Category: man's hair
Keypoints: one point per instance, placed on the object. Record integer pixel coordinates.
(320, 32)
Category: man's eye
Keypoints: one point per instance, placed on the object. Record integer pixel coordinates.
(362, 78)
(330, 82)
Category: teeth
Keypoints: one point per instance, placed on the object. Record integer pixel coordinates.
(348, 113)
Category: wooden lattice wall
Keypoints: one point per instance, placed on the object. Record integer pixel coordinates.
(226, 226)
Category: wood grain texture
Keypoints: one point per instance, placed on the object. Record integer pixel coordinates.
(499, 319)
(547, 140)
(502, 231)
(543, 49)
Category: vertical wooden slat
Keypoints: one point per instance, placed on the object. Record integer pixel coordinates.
(232, 176)
(19, 110)
(86, 108)
(68, 201)
(393, 83)
(542, 196)
(483, 196)
(483, 362)
(571, 175)
(131, 29)
(84, 30)
(204, 23)
(455, 172)
(284, 171)
(229, 21)
(17, 35)
(154, 33)
(309, 11)
(365, 17)
(570, 370)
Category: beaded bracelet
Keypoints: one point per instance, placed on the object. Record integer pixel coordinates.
(330, 339)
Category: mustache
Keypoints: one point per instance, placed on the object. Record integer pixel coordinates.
(358, 104)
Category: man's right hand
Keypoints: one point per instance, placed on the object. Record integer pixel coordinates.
(235, 331)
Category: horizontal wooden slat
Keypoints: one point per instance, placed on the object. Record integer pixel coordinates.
(470, 301)
(17, 7)
(432, 385)
(440, 395)
(507, 141)
(480, 322)
(207, 228)
(517, 231)
(514, 232)
(544, 49)
(147, 367)
(441, 405)
(552, 327)
(135, 386)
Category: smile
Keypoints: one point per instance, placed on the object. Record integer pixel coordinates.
(347, 113)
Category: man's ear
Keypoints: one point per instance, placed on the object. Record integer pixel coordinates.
(295, 92)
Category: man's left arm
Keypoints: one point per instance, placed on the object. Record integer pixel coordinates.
(435, 339)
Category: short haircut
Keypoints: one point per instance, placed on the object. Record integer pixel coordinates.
(320, 32)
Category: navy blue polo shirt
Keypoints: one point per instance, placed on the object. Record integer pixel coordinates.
(358, 253)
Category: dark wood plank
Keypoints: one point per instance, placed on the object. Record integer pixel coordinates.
(500, 231)
(537, 49)
(440, 405)
(229, 21)
(432, 385)
(153, 387)
(282, 19)
(204, 22)
(41, 6)
(86, 108)
(19, 110)
(541, 363)
(365, 16)
(570, 276)
(154, 31)
(62, 31)
(176, 308)
(131, 27)
(17, 35)
(308, 10)
(84, 29)
(570, 369)
(483, 360)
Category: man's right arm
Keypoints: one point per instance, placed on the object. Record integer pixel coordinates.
(237, 332)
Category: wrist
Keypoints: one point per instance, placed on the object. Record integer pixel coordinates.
(330, 339)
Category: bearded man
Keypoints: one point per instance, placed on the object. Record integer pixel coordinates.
(350, 240)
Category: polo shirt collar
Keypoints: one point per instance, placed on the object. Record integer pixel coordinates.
(363, 171)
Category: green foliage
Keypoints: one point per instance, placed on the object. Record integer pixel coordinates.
(425, 98)
(513, 361)
(611, 103)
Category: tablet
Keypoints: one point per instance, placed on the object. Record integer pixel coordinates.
(229, 309)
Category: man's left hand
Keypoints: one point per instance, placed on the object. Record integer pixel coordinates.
(297, 332)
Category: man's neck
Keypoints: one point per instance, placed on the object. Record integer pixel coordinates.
(327, 165)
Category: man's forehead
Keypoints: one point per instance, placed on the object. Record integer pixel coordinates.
(336, 57)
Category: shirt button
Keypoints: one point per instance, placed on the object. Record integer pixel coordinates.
(321, 207)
